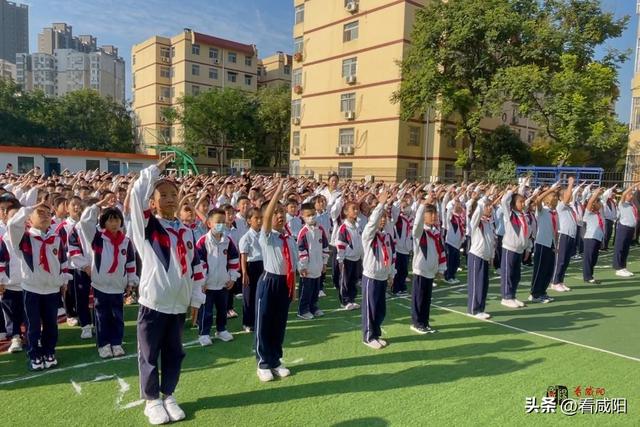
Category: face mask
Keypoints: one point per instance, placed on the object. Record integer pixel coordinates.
(310, 220)
(219, 228)
(407, 210)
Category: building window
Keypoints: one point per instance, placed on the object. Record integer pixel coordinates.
(165, 72)
(248, 61)
(451, 141)
(346, 138)
(92, 165)
(349, 67)
(172, 92)
(195, 90)
(298, 45)
(295, 140)
(345, 170)
(350, 31)
(165, 52)
(296, 105)
(195, 49)
(300, 14)
(294, 167)
(348, 102)
(296, 79)
(449, 171)
(133, 60)
(531, 136)
(212, 152)
(287, 70)
(232, 57)
(25, 164)
(232, 77)
(414, 135)
(173, 72)
(213, 73)
(173, 51)
(165, 92)
(636, 113)
(195, 69)
(213, 53)
(248, 79)
(412, 171)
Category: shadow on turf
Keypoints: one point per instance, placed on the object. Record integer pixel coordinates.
(363, 422)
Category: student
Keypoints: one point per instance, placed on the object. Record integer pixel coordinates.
(546, 242)
(276, 289)
(11, 294)
(294, 222)
(378, 270)
(170, 281)
(313, 255)
(610, 215)
(252, 268)
(429, 261)
(567, 232)
(43, 272)
(221, 264)
(404, 245)
(232, 234)
(348, 256)
(625, 231)
(481, 253)
(593, 236)
(187, 214)
(498, 221)
(456, 232)
(514, 243)
(113, 271)
(323, 218)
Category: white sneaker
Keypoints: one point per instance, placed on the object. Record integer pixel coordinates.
(72, 321)
(498, 272)
(351, 306)
(355, 305)
(520, 303)
(117, 350)
(623, 273)
(565, 287)
(306, 316)
(453, 281)
(204, 340)
(481, 316)
(382, 342)
(281, 372)
(86, 333)
(61, 312)
(247, 329)
(16, 345)
(558, 287)
(224, 336)
(374, 344)
(105, 352)
(174, 411)
(509, 303)
(265, 375)
(155, 412)
(318, 313)
(629, 273)
(322, 294)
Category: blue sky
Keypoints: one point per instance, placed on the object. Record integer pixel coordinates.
(267, 23)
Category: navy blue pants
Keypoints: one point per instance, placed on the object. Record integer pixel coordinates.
(159, 336)
(41, 313)
(624, 237)
(254, 270)
(453, 262)
(309, 289)
(510, 268)
(566, 249)
(608, 232)
(76, 299)
(348, 280)
(402, 271)
(231, 293)
(543, 264)
(272, 308)
(13, 312)
(580, 240)
(478, 284)
(335, 269)
(374, 307)
(217, 298)
(497, 259)
(109, 312)
(590, 258)
(421, 292)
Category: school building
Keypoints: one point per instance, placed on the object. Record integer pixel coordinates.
(633, 152)
(344, 73)
(167, 68)
(275, 70)
(24, 159)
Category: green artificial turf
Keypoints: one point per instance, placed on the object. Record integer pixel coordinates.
(470, 373)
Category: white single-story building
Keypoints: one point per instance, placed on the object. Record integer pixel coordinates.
(24, 159)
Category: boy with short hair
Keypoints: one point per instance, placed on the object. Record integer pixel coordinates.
(313, 251)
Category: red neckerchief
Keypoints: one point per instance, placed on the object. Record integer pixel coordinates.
(600, 222)
(44, 261)
(436, 239)
(116, 240)
(286, 252)
(385, 253)
(554, 222)
(525, 226)
(182, 249)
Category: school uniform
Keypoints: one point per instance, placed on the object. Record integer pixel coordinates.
(170, 282)
(610, 214)
(404, 244)
(76, 298)
(336, 223)
(481, 253)
(324, 219)
(313, 255)
(514, 243)
(276, 289)
(498, 221)
(294, 225)
(593, 236)
(198, 228)
(349, 254)
(456, 233)
(12, 300)
(43, 270)
(428, 260)
(233, 234)
(544, 255)
(567, 233)
(629, 217)
(250, 247)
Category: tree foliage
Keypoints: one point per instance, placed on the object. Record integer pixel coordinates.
(501, 142)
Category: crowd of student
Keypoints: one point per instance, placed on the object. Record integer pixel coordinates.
(191, 245)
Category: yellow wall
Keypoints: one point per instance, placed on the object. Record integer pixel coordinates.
(276, 70)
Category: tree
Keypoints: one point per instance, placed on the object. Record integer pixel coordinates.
(504, 173)
(468, 57)
(502, 142)
(274, 116)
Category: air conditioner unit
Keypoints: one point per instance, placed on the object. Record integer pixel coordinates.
(350, 115)
(296, 121)
(352, 7)
(163, 119)
(309, 172)
(351, 79)
(165, 59)
(347, 150)
(162, 99)
(295, 151)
